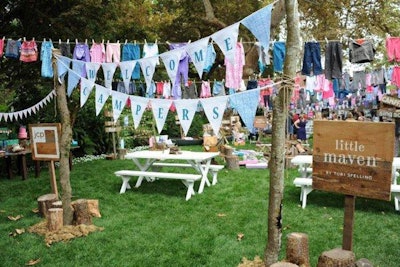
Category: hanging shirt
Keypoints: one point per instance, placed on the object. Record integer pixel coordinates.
(29, 51)
(97, 53)
(45, 57)
(12, 48)
(234, 70)
(150, 50)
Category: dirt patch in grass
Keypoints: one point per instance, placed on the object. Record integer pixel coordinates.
(66, 233)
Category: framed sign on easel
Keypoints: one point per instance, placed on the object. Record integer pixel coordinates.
(45, 139)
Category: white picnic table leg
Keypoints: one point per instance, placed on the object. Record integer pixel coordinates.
(143, 167)
(190, 190)
(125, 184)
(204, 172)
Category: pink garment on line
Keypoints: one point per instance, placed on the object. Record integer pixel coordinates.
(29, 51)
(113, 51)
(1, 47)
(234, 71)
(393, 48)
(97, 53)
(205, 89)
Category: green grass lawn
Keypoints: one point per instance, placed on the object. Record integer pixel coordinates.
(154, 225)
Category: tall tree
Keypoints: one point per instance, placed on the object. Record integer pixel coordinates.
(280, 111)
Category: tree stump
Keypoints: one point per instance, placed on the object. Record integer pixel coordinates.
(297, 249)
(228, 151)
(232, 162)
(55, 219)
(81, 212)
(93, 205)
(57, 204)
(284, 264)
(336, 257)
(45, 203)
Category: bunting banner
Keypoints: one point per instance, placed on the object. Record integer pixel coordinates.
(127, 68)
(108, 73)
(186, 108)
(79, 68)
(246, 104)
(101, 96)
(171, 62)
(197, 52)
(86, 89)
(63, 65)
(148, 66)
(19, 115)
(138, 106)
(73, 80)
(160, 108)
(259, 24)
(118, 103)
(91, 70)
(226, 39)
(214, 108)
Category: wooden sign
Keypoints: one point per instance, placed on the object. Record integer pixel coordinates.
(45, 141)
(260, 122)
(391, 101)
(353, 158)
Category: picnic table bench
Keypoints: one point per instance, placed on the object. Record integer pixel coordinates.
(214, 168)
(187, 179)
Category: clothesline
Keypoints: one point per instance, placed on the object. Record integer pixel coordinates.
(108, 41)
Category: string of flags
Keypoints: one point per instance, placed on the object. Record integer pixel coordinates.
(22, 114)
(85, 73)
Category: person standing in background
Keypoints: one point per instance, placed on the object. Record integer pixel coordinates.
(300, 125)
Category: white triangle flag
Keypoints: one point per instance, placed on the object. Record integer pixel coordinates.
(20, 115)
(148, 66)
(197, 52)
(86, 89)
(226, 39)
(186, 108)
(91, 70)
(63, 64)
(108, 72)
(138, 106)
(160, 108)
(73, 80)
(171, 62)
(101, 97)
(1, 116)
(118, 103)
(127, 68)
(214, 107)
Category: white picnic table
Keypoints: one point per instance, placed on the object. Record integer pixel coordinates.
(304, 162)
(200, 161)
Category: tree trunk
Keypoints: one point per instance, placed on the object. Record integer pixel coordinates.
(65, 144)
(280, 110)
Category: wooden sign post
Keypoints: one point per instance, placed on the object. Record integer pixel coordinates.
(45, 146)
(354, 159)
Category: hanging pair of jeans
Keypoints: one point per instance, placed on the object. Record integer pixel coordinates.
(333, 60)
(312, 59)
